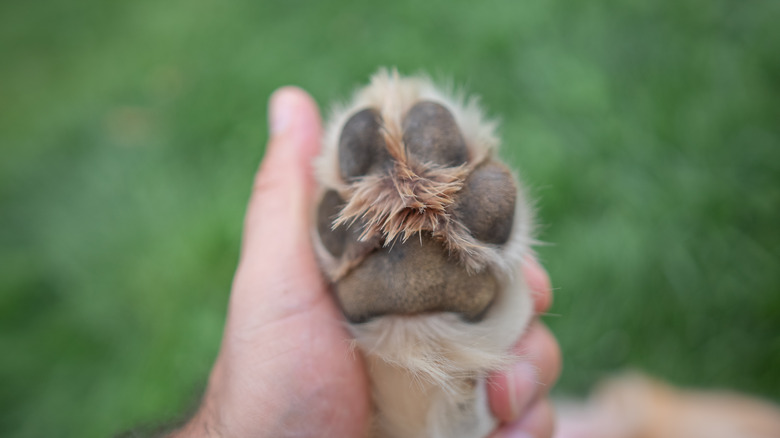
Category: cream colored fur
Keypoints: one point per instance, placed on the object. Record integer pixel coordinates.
(428, 371)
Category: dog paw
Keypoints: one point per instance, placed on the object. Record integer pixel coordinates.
(420, 231)
(416, 215)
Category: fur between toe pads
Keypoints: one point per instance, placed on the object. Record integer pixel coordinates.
(421, 230)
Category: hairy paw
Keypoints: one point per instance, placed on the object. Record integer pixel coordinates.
(421, 231)
(417, 216)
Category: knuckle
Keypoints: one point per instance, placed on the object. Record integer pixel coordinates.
(551, 357)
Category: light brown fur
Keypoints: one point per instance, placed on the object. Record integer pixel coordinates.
(636, 406)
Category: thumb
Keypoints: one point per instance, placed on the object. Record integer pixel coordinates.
(276, 254)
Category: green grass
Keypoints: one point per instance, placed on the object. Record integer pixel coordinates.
(649, 132)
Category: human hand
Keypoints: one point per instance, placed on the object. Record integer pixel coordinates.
(286, 367)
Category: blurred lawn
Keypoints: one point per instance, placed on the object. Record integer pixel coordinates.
(130, 131)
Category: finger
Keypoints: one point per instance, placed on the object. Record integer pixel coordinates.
(539, 282)
(511, 392)
(276, 246)
(539, 422)
(540, 348)
(283, 185)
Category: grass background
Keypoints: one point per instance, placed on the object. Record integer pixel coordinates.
(130, 131)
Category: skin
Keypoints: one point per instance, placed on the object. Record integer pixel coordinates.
(285, 367)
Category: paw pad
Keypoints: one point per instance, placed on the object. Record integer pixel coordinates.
(431, 135)
(362, 148)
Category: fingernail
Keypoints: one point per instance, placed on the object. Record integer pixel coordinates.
(522, 387)
(280, 110)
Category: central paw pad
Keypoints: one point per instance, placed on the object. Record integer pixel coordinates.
(418, 217)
